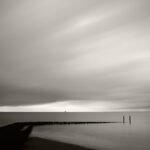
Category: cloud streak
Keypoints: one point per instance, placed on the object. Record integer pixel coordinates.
(55, 51)
(73, 106)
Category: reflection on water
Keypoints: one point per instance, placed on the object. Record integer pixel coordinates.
(118, 136)
(113, 136)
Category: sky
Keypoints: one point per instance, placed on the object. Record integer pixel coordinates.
(74, 55)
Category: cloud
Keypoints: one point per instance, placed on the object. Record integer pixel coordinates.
(73, 106)
(54, 51)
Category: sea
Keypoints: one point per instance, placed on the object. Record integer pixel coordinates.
(109, 136)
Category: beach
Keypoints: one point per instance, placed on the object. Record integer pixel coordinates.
(99, 136)
(45, 144)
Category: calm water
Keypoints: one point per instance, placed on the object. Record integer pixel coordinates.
(98, 136)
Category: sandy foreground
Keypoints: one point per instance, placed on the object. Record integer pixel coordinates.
(36, 143)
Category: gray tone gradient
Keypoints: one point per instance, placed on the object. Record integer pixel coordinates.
(80, 50)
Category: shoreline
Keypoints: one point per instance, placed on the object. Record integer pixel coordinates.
(47, 144)
(17, 136)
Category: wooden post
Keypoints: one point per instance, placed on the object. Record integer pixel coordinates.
(129, 119)
(123, 119)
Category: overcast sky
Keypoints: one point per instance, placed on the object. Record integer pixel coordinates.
(75, 55)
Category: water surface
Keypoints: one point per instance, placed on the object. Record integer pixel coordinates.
(134, 136)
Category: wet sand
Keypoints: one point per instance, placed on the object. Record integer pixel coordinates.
(16, 137)
(36, 143)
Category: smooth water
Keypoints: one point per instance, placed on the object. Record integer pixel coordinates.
(118, 136)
